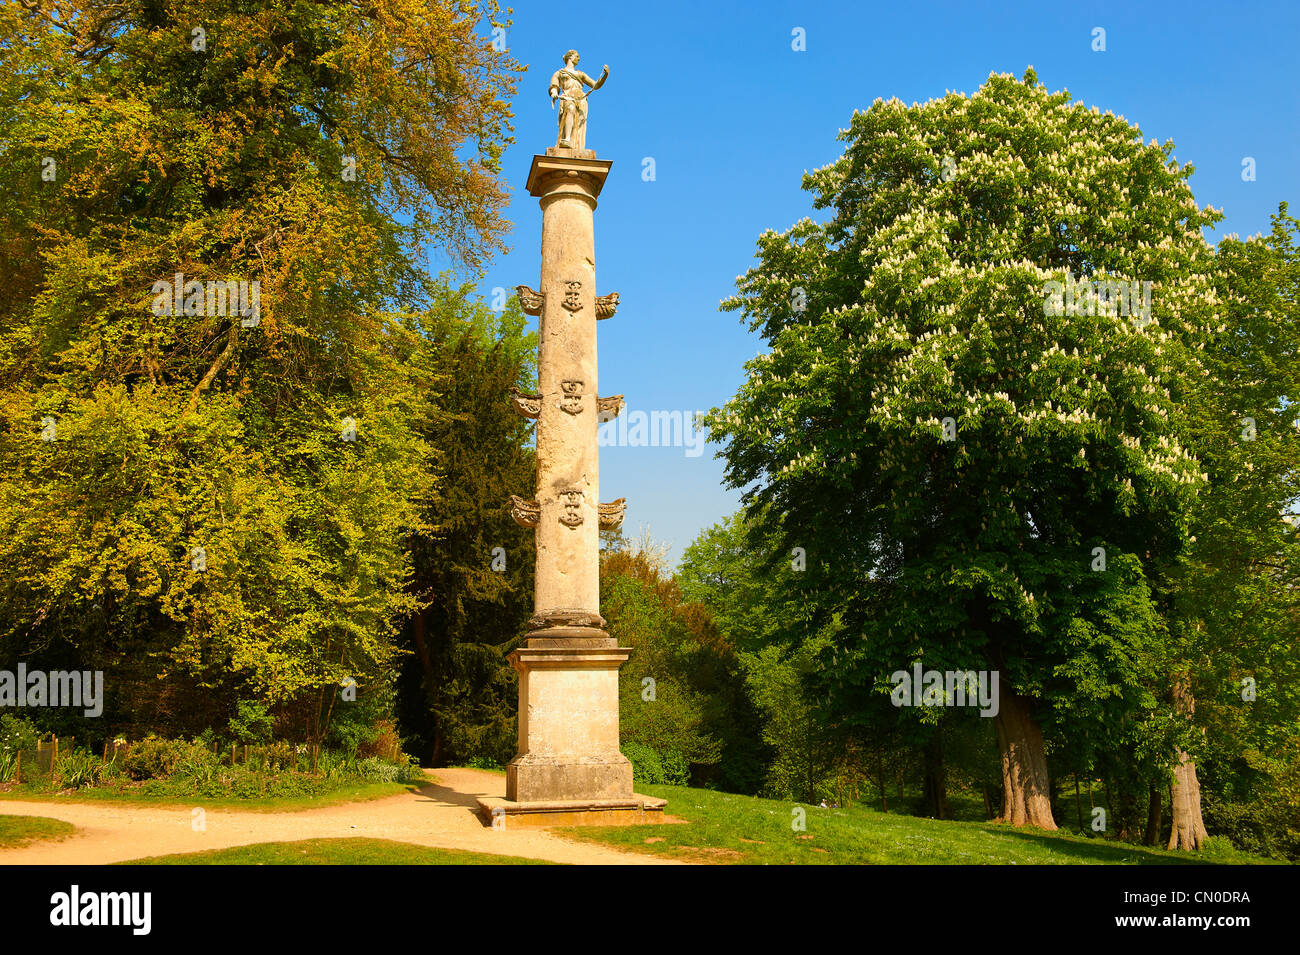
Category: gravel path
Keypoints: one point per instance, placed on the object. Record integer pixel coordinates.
(440, 814)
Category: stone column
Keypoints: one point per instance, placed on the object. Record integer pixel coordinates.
(569, 758)
(568, 468)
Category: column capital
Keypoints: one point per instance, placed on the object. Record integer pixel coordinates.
(551, 172)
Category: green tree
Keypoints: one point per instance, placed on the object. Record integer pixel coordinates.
(750, 586)
(756, 595)
(182, 497)
(682, 696)
(982, 480)
(473, 572)
(662, 713)
(1238, 603)
(805, 750)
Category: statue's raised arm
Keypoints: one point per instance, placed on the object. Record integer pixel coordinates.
(568, 87)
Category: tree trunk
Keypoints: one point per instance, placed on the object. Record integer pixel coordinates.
(1024, 765)
(1154, 809)
(810, 782)
(1188, 828)
(419, 631)
(936, 781)
(1124, 815)
(880, 766)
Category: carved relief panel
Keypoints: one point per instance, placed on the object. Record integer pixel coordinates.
(572, 296)
(571, 507)
(571, 399)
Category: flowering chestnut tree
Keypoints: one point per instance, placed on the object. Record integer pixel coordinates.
(972, 410)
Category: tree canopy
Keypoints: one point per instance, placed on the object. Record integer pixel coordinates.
(984, 447)
(213, 494)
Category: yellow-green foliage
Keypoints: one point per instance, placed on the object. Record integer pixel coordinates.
(129, 439)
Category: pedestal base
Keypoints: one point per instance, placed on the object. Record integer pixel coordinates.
(568, 722)
(539, 778)
(637, 811)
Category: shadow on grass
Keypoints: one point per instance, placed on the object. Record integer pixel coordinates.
(1097, 850)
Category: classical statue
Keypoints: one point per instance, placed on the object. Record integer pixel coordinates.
(567, 86)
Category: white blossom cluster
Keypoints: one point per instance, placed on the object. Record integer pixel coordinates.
(948, 322)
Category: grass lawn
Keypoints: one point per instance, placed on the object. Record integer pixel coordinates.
(161, 792)
(335, 852)
(742, 829)
(18, 831)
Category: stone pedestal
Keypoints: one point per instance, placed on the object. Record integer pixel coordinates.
(568, 725)
(569, 769)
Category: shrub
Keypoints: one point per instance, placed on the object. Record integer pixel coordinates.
(112, 771)
(18, 735)
(275, 758)
(251, 723)
(1259, 825)
(361, 726)
(335, 765)
(660, 768)
(646, 767)
(383, 772)
(384, 742)
(77, 769)
(156, 758)
(677, 771)
(196, 762)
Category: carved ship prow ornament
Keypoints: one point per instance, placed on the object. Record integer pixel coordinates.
(529, 406)
(611, 514)
(531, 302)
(525, 513)
(607, 409)
(606, 305)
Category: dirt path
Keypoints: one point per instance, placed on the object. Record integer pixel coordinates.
(440, 814)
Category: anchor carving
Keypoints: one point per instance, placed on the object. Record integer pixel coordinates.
(571, 501)
(572, 295)
(571, 400)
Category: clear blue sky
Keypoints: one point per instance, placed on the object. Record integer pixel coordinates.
(733, 116)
